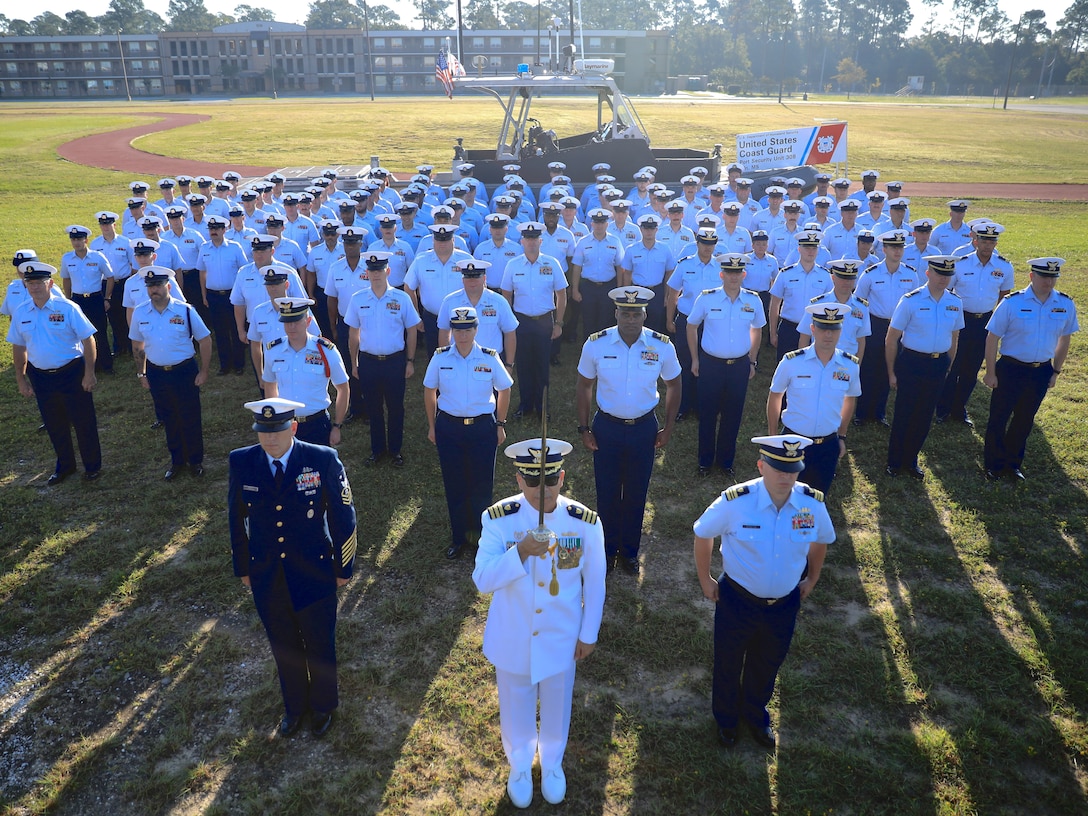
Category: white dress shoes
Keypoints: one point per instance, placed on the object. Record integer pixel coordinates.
(520, 788)
(553, 785)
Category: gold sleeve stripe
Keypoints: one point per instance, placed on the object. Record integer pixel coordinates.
(349, 548)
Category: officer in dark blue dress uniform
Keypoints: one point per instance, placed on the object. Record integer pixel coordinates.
(466, 397)
(293, 537)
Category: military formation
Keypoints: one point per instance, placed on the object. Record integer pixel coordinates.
(329, 297)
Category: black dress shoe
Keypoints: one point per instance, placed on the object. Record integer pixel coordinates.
(555, 361)
(156, 424)
(732, 474)
(223, 372)
(883, 421)
(703, 472)
(320, 724)
(763, 736)
(518, 414)
(58, 477)
(398, 460)
(609, 564)
(1018, 474)
(630, 565)
(238, 372)
(289, 725)
(680, 416)
(857, 422)
(171, 473)
(91, 475)
(453, 552)
(728, 737)
(993, 476)
(970, 423)
(890, 471)
(373, 459)
(41, 427)
(916, 472)
(940, 419)
(196, 470)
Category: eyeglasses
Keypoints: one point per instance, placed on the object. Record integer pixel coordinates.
(551, 480)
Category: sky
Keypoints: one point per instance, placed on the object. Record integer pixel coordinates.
(294, 11)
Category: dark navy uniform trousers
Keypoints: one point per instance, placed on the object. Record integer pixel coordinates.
(873, 402)
(177, 404)
(466, 453)
(919, 377)
(232, 354)
(93, 305)
(382, 380)
(723, 385)
(963, 375)
(63, 405)
(533, 360)
(1013, 405)
(622, 465)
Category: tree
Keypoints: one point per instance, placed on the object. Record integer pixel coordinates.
(190, 15)
(433, 14)
(48, 24)
(517, 14)
(480, 15)
(252, 14)
(334, 14)
(130, 17)
(383, 18)
(20, 28)
(1073, 27)
(80, 23)
(850, 73)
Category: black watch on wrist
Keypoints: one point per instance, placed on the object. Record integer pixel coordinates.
(583, 428)
(338, 424)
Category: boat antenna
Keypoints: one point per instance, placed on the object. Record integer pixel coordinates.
(460, 34)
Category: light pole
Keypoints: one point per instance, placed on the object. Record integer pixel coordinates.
(1012, 62)
(369, 56)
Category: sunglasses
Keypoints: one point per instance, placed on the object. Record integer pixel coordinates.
(550, 480)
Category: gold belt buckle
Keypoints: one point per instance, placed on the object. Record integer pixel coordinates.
(470, 420)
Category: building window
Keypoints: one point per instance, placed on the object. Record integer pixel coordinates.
(320, 65)
(349, 43)
(88, 67)
(134, 46)
(174, 68)
(222, 48)
(428, 43)
(298, 46)
(428, 62)
(339, 65)
(58, 67)
(103, 48)
(496, 43)
(12, 67)
(477, 42)
(398, 62)
(339, 45)
(107, 85)
(153, 65)
(106, 66)
(156, 86)
(277, 46)
(9, 48)
(15, 86)
(54, 48)
(242, 44)
(136, 65)
(43, 67)
(396, 42)
(39, 48)
(379, 42)
(379, 64)
(351, 65)
(595, 42)
(62, 86)
(151, 47)
(319, 45)
(85, 47)
(260, 47)
(528, 42)
(230, 44)
(185, 67)
(184, 48)
(203, 48)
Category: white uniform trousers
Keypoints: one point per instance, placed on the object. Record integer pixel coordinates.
(518, 699)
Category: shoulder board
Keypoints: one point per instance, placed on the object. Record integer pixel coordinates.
(503, 508)
(326, 342)
(791, 354)
(664, 338)
(276, 342)
(787, 268)
(580, 511)
(442, 349)
(912, 293)
(1002, 257)
(908, 266)
(490, 351)
(750, 291)
(1062, 294)
(710, 291)
(862, 300)
(736, 491)
(816, 299)
(813, 492)
(599, 335)
(850, 357)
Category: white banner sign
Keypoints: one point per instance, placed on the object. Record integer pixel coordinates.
(825, 144)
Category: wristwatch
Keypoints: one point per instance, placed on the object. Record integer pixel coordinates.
(501, 423)
(583, 428)
(338, 424)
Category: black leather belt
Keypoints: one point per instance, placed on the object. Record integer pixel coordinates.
(85, 294)
(545, 316)
(978, 315)
(1022, 363)
(220, 291)
(381, 356)
(64, 367)
(753, 598)
(472, 420)
(168, 367)
(728, 360)
(308, 417)
(622, 421)
(816, 440)
(928, 355)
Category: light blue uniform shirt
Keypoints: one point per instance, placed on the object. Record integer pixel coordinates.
(320, 258)
(928, 324)
(559, 244)
(797, 288)
(265, 325)
(627, 375)
(187, 245)
(498, 257)
(761, 272)
(52, 335)
(1029, 328)
(135, 291)
(854, 326)
(882, 289)
(342, 282)
(675, 240)
(493, 312)
(304, 375)
(598, 258)
(839, 240)
(980, 285)
(302, 231)
(221, 263)
(534, 284)
(168, 335)
(651, 266)
(432, 280)
(87, 273)
(765, 549)
(402, 257)
(466, 385)
(118, 252)
(691, 277)
(727, 330)
(381, 321)
(945, 239)
(249, 289)
(815, 392)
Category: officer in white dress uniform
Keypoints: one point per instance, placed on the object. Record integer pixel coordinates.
(546, 607)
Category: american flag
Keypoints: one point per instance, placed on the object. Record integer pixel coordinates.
(446, 67)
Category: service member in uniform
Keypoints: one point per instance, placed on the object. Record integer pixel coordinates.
(724, 359)
(53, 354)
(821, 384)
(981, 281)
(594, 269)
(793, 290)
(497, 327)
(856, 326)
(293, 537)
(163, 331)
(300, 367)
(382, 346)
(774, 534)
(1032, 328)
(649, 263)
(87, 279)
(928, 320)
(691, 276)
(546, 607)
(218, 262)
(625, 362)
(466, 395)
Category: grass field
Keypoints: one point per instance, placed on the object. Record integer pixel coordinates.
(938, 668)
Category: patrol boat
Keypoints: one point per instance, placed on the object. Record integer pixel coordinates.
(619, 138)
